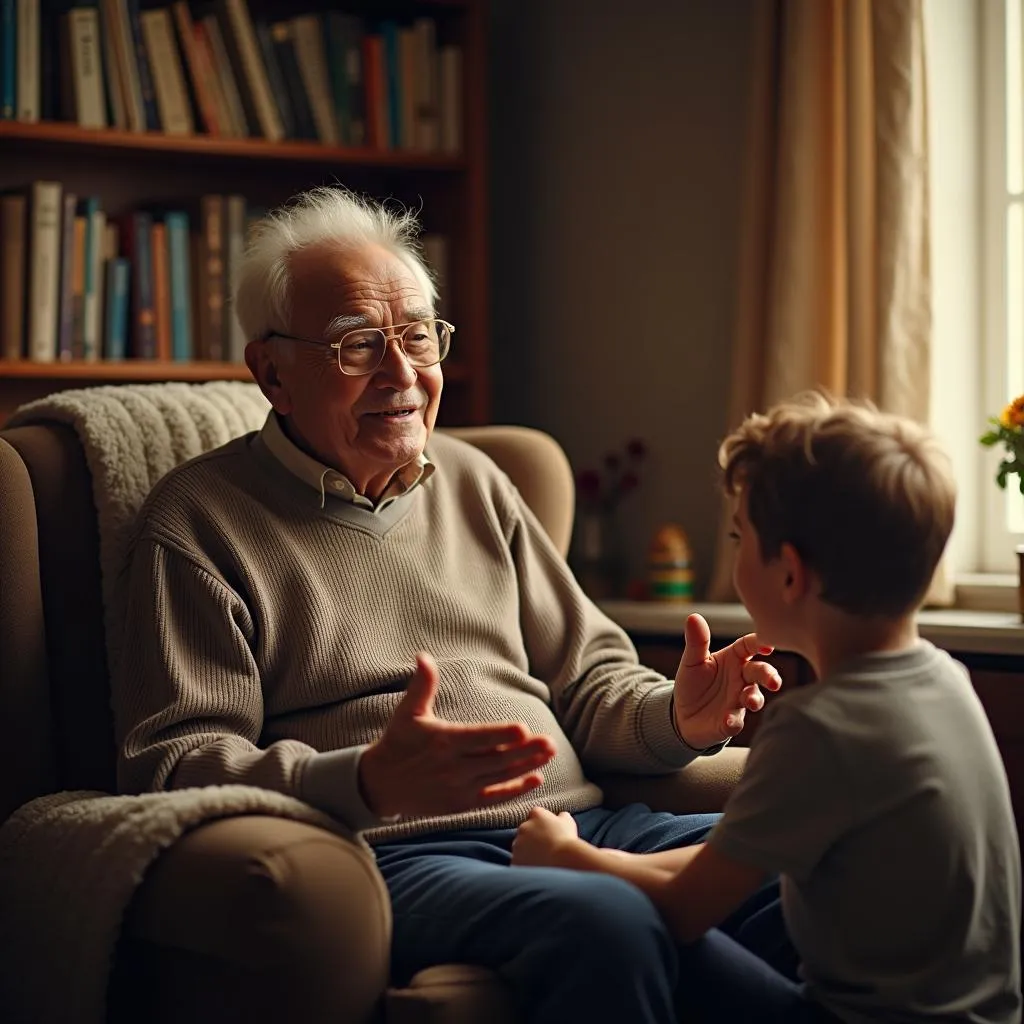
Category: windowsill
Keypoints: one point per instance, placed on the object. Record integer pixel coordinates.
(987, 592)
(968, 630)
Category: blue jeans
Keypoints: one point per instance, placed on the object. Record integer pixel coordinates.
(572, 945)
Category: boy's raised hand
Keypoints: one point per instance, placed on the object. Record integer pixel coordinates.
(714, 692)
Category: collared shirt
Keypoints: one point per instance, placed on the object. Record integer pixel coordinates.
(323, 479)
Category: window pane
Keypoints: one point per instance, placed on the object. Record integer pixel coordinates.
(1014, 99)
(1014, 342)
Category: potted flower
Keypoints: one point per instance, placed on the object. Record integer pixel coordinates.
(597, 556)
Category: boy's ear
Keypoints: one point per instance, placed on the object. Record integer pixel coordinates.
(795, 576)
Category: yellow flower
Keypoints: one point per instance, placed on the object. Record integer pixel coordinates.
(1013, 414)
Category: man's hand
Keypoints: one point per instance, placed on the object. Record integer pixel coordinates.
(714, 692)
(541, 837)
(425, 765)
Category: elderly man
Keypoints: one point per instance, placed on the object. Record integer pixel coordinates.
(349, 609)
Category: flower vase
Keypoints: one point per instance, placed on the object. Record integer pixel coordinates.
(596, 557)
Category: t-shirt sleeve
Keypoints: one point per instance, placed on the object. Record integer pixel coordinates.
(791, 804)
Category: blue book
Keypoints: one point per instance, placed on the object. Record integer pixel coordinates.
(393, 80)
(8, 58)
(180, 274)
(115, 330)
(145, 74)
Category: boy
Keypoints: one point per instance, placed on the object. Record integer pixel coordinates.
(878, 794)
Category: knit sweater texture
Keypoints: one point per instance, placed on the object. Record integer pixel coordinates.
(268, 640)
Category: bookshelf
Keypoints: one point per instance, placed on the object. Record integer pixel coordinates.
(149, 170)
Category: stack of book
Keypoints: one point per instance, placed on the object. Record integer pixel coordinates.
(335, 78)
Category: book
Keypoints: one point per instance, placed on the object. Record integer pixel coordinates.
(142, 66)
(307, 35)
(8, 60)
(76, 257)
(13, 259)
(116, 27)
(137, 246)
(250, 71)
(161, 291)
(275, 76)
(68, 251)
(450, 78)
(284, 46)
(168, 75)
(85, 99)
(235, 110)
(44, 270)
(115, 324)
(208, 269)
(27, 90)
(95, 261)
(199, 70)
(427, 116)
(180, 277)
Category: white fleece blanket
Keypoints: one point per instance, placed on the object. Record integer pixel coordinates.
(69, 865)
(132, 435)
(70, 862)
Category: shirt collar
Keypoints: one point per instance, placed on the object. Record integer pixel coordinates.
(325, 480)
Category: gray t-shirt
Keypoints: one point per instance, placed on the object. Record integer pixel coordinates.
(880, 797)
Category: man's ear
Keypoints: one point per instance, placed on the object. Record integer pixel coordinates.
(796, 578)
(264, 366)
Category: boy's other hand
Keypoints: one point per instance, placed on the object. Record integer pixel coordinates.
(714, 692)
(541, 837)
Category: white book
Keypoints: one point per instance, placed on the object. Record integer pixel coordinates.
(44, 270)
(307, 33)
(117, 27)
(168, 75)
(243, 36)
(450, 72)
(83, 27)
(27, 89)
(93, 300)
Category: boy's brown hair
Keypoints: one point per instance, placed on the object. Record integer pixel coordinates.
(866, 498)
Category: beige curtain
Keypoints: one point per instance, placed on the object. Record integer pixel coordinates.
(834, 278)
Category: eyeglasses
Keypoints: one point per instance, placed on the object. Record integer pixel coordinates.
(423, 343)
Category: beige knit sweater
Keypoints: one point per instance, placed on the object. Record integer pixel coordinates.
(268, 640)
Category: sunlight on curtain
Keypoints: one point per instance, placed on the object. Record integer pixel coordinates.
(835, 277)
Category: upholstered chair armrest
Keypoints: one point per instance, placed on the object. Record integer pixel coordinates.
(255, 918)
(701, 787)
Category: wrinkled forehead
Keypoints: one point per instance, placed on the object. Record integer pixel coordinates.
(351, 288)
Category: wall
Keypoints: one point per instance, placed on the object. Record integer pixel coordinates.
(617, 149)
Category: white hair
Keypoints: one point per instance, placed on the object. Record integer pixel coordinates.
(331, 216)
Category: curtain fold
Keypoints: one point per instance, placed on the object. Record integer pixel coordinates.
(834, 278)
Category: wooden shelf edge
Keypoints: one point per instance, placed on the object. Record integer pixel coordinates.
(128, 369)
(150, 370)
(65, 133)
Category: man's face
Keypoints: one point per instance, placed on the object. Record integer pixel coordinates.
(366, 427)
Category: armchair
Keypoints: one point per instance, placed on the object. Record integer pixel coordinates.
(245, 918)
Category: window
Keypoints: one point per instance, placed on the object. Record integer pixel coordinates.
(1002, 264)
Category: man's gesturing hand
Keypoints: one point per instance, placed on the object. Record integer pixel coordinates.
(714, 692)
(425, 765)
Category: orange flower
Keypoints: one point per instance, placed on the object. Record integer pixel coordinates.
(1013, 414)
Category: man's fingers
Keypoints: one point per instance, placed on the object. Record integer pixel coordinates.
(510, 790)
(749, 645)
(763, 674)
(484, 739)
(696, 640)
(751, 698)
(503, 769)
(418, 701)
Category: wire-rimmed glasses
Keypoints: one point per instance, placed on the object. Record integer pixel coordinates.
(423, 343)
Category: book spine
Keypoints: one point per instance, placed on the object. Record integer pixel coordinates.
(198, 70)
(287, 58)
(168, 77)
(8, 59)
(244, 50)
(392, 82)
(115, 340)
(66, 321)
(95, 262)
(78, 289)
(161, 292)
(275, 78)
(180, 285)
(309, 48)
(13, 253)
(210, 271)
(44, 274)
(87, 67)
(28, 87)
(138, 49)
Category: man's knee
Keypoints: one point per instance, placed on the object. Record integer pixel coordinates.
(600, 918)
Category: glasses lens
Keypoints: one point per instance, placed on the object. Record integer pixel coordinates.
(424, 343)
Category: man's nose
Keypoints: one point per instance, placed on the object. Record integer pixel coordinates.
(395, 365)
